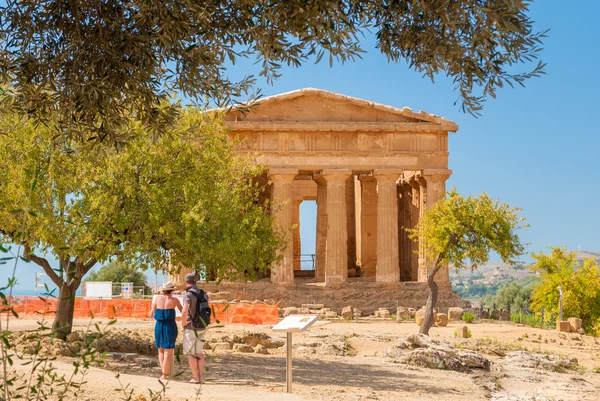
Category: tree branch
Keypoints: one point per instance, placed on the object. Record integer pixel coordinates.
(27, 254)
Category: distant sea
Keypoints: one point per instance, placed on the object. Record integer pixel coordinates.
(31, 292)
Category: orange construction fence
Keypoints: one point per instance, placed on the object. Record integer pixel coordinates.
(139, 308)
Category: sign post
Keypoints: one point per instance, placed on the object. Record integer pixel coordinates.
(289, 325)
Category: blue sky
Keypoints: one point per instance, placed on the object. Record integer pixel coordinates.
(535, 147)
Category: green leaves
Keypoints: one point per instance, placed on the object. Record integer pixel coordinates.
(465, 230)
(580, 282)
(85, 73)
(158, 202)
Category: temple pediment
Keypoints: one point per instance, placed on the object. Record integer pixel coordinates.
(320, 110)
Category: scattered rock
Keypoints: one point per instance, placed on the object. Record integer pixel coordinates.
(462, 332)
(449, 359)
(347, 313)
(382, 313)
(455, 313)
(575, 323)
(495, 314)
(74, 337)
(552, 363)
(505, 315)
(420, 340)
(357, 312)
(221, 346)
(563, 326)
(441, 320)
(290, 311)
(242, 348)
(306, 350)
(253, 339)
(261, 349)
(403, 313)
(419, 316)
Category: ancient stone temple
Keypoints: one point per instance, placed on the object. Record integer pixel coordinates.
(372, 169)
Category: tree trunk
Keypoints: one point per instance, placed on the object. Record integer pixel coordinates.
(431, 301)
(428, 320)
(63, 321)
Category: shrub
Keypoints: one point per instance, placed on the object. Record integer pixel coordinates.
(468, 317)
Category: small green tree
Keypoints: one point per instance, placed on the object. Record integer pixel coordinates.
(461, 230)
(580, 282)
(515, 295)
(184, 199)
(119, 273)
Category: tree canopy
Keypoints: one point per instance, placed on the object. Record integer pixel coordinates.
(85, 67)
(119, 273)
(464, 231)
(184, 199)
(580, 283)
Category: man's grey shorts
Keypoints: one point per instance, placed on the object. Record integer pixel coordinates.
(193, 341)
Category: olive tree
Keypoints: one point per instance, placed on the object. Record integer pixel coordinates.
(87, 66)
(463, 231)
(184, 199)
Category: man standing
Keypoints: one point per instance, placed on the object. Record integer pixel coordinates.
(193, 337)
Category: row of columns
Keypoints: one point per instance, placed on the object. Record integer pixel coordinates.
(390, 200)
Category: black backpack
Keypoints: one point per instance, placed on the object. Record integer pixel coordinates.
(200, 316)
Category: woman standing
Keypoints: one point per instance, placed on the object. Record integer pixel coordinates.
(165, 331)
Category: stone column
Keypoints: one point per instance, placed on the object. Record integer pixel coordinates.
(336, 269)
(388, 264)
(321, 237)
(283, 271)
(296, 234)
(436, 190)
(404, 223)
(368, 235)
(351, 222)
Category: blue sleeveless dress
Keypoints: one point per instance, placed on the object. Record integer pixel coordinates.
(165, 331)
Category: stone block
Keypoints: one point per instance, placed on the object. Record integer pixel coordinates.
(455, 313)
(576, 324)
(347, 313)
(331, 315)
(73, 337)
(495, 314)
(402, 313)
(357, 312)
(382, 313)
(290, 311)
(242, 348)
(441, 320)
(505, 315)
(313, 306)
(221, 346)
(419, 316)
(303, 311)
(463, 332)
(261, 349)
(563, 326)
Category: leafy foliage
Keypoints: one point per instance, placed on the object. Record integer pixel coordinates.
(119, 273)
(580, 282)
(514, 296)
(465, 230)
(183, 199)
(85, 67)
(468, 317)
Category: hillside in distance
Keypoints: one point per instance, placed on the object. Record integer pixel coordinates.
(486, 279)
